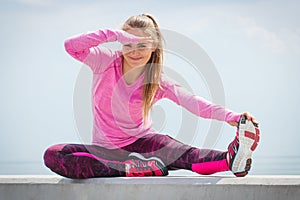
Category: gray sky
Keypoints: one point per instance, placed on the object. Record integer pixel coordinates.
(255, 46)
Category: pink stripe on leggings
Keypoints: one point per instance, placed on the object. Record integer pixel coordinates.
(95, 157)
(212, 167)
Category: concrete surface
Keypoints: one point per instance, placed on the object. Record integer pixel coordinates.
(50, 187)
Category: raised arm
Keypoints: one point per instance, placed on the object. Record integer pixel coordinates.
(79, 46)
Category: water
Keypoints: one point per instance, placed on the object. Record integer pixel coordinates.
(279, 165)
(267, 165)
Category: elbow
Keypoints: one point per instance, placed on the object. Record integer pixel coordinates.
(73, 48)
(67, 46)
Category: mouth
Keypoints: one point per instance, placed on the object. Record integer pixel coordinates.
(135, 59)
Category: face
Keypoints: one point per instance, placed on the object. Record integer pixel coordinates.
(137, 55)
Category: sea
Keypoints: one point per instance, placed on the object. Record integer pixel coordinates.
(268, 165)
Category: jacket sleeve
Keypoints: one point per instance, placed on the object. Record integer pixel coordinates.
(196, 104)
(84, 47)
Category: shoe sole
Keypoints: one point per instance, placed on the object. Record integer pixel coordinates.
(248, 134)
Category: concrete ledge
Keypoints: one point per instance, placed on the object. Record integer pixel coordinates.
(171, 187)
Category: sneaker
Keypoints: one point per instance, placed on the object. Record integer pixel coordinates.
(138, 165)
(241, 148)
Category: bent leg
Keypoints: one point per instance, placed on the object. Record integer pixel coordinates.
(84, 161)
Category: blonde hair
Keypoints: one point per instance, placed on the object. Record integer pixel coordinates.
(154, 66)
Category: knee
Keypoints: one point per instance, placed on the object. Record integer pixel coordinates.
(51, 155)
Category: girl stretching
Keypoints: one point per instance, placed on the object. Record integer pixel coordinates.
(126, 84)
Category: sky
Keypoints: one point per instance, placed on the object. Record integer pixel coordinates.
(253, 45)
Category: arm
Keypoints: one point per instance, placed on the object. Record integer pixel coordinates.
(195, 104)
(84, 47)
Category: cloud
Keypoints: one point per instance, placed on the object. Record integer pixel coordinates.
(258, 23)
(261, 35)
(275, 39)
(279, 40)
(292, 38)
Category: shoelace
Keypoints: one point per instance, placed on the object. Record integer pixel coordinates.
(141, 165)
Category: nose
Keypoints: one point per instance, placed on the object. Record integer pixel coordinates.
(134, 52)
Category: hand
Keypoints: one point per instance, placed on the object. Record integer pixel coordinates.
(146, 40)
(125, 38)
(249, 117)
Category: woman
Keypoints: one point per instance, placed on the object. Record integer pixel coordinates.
(126, 84)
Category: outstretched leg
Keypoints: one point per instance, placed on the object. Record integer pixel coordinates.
(177, 155)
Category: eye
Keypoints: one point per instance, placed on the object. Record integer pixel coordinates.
(141, 46)
(127, 45)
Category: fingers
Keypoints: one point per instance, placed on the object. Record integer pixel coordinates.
(250, 117)
(233, 124)
(145, 40)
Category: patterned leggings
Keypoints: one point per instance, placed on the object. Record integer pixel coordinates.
(90, 161)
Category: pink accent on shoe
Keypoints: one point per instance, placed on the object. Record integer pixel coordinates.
(141, 168)
(212, 167)
(254, 136)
